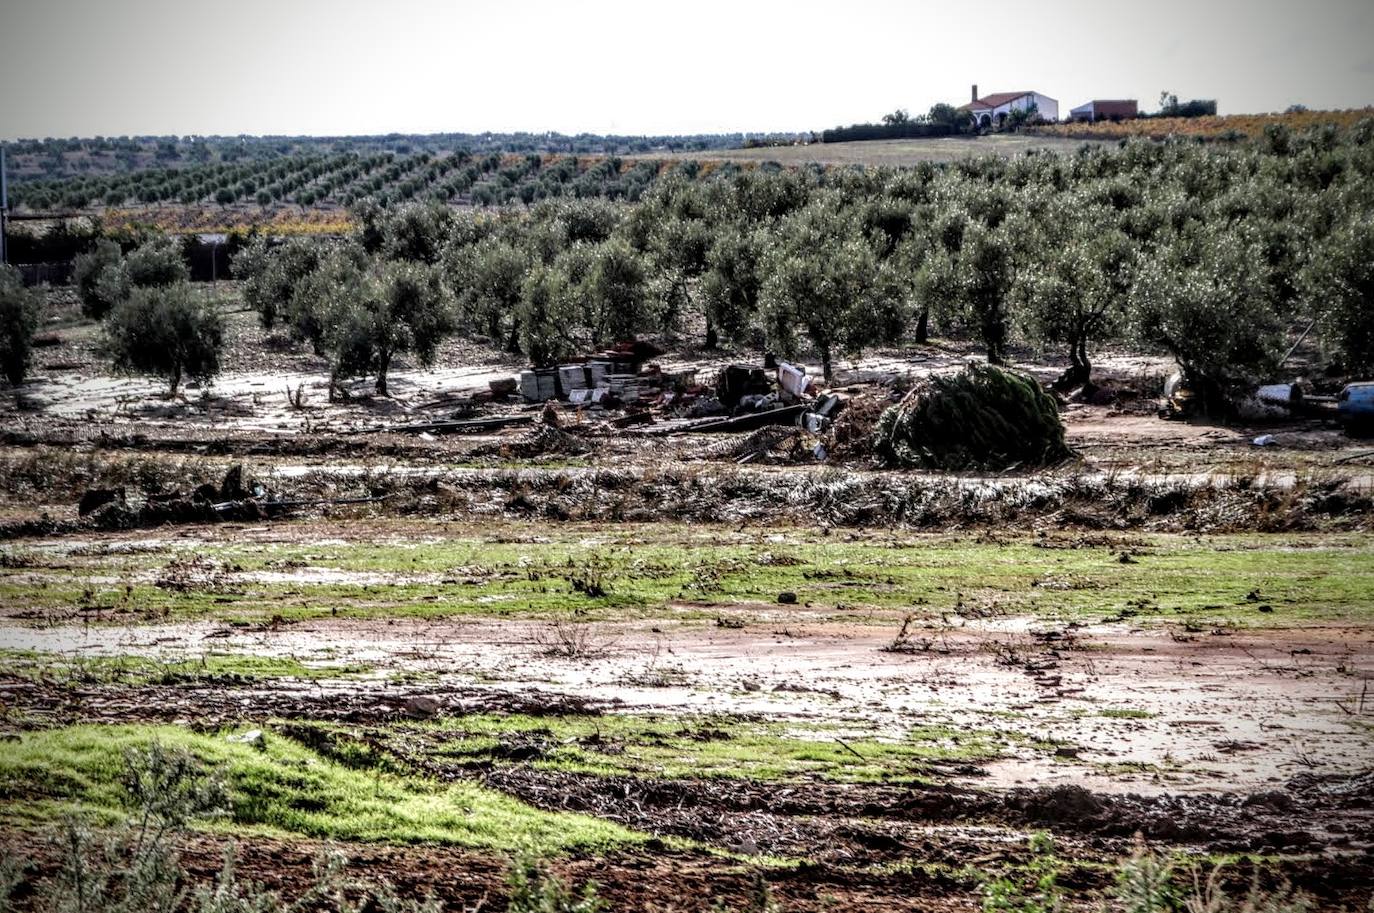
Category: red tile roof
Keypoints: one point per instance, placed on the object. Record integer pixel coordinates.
(993, 101)
(1001, 98)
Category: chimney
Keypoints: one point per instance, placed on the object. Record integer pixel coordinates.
(975, 92)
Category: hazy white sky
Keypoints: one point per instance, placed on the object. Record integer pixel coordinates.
(88, 67)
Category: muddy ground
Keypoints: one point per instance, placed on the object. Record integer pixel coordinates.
(1239, 732)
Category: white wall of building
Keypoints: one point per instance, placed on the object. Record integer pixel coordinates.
(1047, 107)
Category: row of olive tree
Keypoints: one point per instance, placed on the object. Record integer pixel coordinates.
(1215, 255)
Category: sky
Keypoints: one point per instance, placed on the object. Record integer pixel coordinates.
(331, 67)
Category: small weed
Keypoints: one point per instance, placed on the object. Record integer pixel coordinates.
(573, 639)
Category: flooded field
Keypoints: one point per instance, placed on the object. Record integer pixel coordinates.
(687, 672)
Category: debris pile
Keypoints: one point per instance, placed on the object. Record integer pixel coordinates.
(616, 377)
(981, 418)
(545, 440)
(743, 397)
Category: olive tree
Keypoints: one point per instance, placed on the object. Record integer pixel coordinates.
(1074, 293)
(1205, 299)
(547, 313)
(1339, 286)
(158, 262)
(270, 275)
(487, 279)
(982, 280)
(309, 309)
(104, 277)
(730, 287)
(397, 308)
(18, 322)
(616, 293)
(823, 281)
(101, 281)
(165, 331)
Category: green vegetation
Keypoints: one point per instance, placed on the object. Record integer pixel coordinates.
(280, 787)
(168, 332)
(99, 280)
(1230, 251)
(1062, 251)
(666, 569)
(981, 418)
(1034, 889)
(1125, 713)
(677, 747)
(144, 670)
(145, 788)
(19, 309)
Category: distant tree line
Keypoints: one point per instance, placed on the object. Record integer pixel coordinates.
(942, 120)
(345, 179)
(1170, 106)
(74, 156)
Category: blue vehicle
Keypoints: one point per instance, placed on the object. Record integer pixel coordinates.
(1355, 406)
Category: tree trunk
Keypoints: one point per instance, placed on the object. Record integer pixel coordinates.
(995, 338)
(513, 343)
(712, 340)
(383, 365)
(1076, 375)
(997, 353)
(176, 381)
(923, 325)
(825, 363)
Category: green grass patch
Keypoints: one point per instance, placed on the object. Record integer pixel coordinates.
(1125, 713)
(523, 570)
(283, 788)
(673, 747)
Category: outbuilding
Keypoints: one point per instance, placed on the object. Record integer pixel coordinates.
(1106, 109)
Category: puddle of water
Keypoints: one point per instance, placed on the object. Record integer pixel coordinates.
(1217, 716)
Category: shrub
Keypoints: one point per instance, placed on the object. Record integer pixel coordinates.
(167, 332)
(533, 890)
(136, 869)
(981, 418)
(1007, 895)
(18, 321)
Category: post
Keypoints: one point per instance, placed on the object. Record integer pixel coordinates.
(4, 206)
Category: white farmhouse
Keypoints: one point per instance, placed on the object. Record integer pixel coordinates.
(991, 110)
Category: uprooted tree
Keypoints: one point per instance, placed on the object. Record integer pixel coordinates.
(984, 417)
